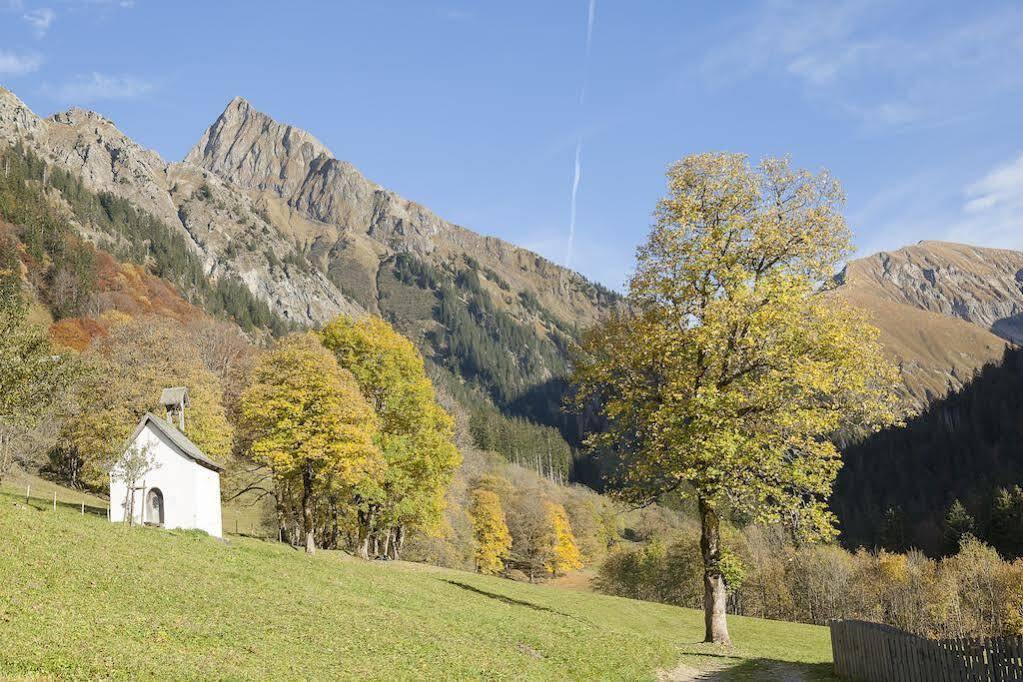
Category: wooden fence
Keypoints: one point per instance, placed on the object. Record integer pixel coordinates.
(878, 653)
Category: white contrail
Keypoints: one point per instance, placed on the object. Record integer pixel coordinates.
(575, 192)
(591, 16)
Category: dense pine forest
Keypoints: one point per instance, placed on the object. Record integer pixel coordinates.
(949, 471)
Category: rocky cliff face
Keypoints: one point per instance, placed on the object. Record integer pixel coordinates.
(979, 285)
(229, 233)
(943, 309)
(279, 163)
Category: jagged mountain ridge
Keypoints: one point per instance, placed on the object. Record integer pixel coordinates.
(207, 212)
(278, 163)
(271, 208)
(944, 310)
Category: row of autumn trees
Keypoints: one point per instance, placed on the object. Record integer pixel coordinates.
(340, 429)
(348, 427)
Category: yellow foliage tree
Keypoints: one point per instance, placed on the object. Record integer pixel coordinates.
(307, 421)
(564, 554)
(731, 371)
(416, 435)
(493, 541)
(129, 368)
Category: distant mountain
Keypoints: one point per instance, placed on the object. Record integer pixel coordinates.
(944, 310)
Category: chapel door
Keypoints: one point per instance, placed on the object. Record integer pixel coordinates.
(154, 506)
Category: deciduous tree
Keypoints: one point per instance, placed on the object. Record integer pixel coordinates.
(490, 529)
(33, 377)
(732, 368)
(137, 461)
(564, 555)
(129, 368)
(415, 436)
(307, 421)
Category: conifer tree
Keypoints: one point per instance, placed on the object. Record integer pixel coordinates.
(958, 524)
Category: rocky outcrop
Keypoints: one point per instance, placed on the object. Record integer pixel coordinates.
(979, 285)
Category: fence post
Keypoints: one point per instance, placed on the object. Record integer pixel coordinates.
(28, 492)
(54, 500)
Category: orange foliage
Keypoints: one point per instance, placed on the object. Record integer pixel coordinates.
(129, 291)
(76, 332)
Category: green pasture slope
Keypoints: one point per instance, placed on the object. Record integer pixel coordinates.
(84, 598)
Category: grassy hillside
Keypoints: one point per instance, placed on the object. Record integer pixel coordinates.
(80, 597)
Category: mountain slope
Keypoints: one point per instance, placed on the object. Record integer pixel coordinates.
(219, 224)
(264, 209)
(896, 486)
(277, 161)
(944, 310)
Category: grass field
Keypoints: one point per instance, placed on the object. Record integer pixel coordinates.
(83, 598)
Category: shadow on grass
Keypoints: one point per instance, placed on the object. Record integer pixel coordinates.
(769, 670)
(511, 600)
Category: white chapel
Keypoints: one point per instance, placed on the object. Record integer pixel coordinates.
(180, 488)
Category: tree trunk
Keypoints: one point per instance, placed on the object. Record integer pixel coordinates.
(714, 594)
(397, 542)
(335, 530)
(280, 493)
(282, 521)
(365, 528)
(307, 509)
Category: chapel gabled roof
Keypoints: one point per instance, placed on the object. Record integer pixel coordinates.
(179, 440)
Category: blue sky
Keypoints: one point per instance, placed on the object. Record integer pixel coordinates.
(475, 108)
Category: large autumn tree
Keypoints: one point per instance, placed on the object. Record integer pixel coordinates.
(305, 419)
(129, 367)
(416, 435)
(732, 368)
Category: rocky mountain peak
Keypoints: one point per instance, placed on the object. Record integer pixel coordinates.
(16, 119)
(250, 149)
(77, 115)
